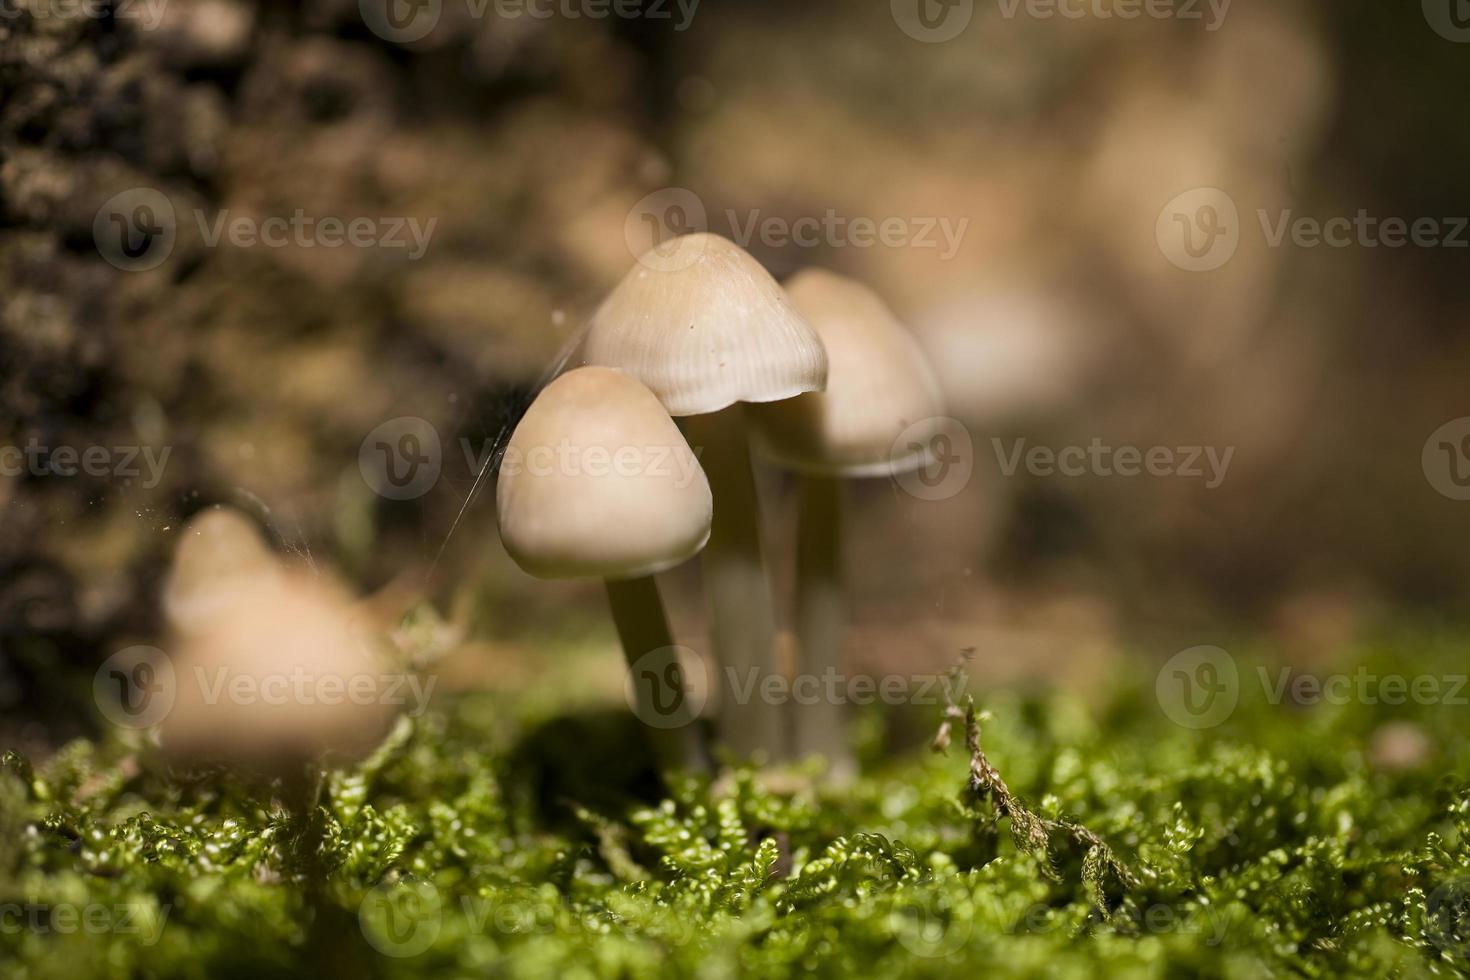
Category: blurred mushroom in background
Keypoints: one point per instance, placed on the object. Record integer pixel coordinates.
(877, 417)
(220, 554)
(279, 678)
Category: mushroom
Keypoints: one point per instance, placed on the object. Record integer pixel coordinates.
(879, 388)
(277, 682)
(277, 678)
(219, 550)
(706, 328)
(597, 481)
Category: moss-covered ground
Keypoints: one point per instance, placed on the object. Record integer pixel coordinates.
(501, 836)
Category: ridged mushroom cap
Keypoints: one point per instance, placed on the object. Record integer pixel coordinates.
(597, 481)
(703, 325)
(879, 384)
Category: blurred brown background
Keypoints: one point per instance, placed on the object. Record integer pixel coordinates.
(1055, 142)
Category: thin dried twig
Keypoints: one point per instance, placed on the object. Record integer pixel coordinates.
(1030, 831)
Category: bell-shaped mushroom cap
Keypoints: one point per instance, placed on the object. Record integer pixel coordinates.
(219, 549)
(880, 385)
(704, 326)
(597, 481)
(282, 674)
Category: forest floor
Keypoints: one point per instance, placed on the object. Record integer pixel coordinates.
(1285, 823)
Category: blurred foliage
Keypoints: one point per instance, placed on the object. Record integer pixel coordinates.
(1286, 840)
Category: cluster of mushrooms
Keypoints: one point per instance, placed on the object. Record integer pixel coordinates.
(697, 346)
(819, 377)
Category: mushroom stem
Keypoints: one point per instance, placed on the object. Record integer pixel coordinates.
(743, 618)
(638, 613)
(821, 727)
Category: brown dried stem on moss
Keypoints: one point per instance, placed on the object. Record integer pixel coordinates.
(1030, 831)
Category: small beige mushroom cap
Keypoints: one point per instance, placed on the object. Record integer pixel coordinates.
(597, 481)
(219, 549)
(284, 673)
(702, 324)
(880, 385)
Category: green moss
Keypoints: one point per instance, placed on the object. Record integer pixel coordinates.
(477, 842)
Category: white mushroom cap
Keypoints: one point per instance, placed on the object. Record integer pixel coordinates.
(704, 326)
(597, 481)
(219, 550)
(311, 681)
(879, 386)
